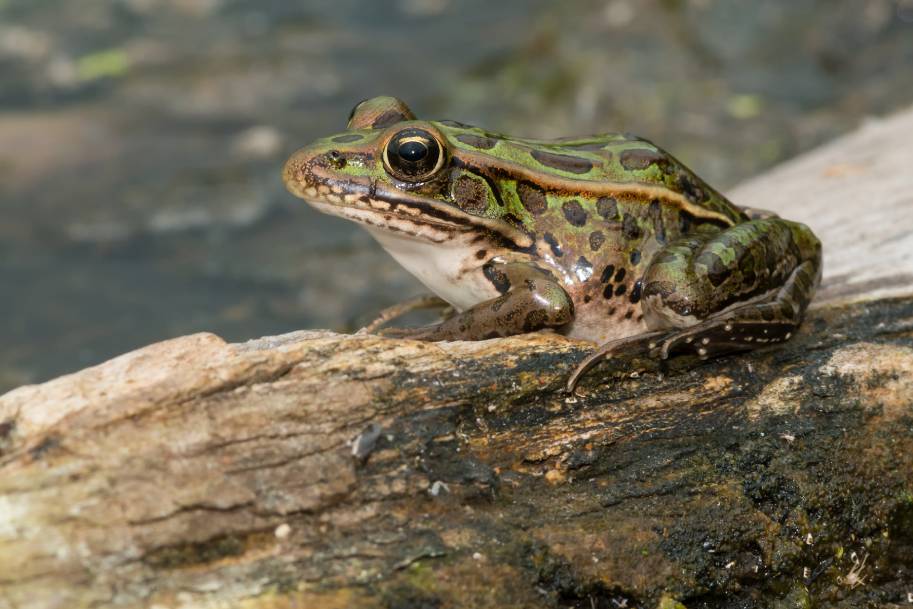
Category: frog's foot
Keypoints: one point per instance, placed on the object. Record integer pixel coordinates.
(398, 310)
(716, 337)
(604, 352)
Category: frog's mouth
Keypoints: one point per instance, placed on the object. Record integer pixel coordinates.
(383, 208)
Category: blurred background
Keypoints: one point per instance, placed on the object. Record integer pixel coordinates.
(141, 141)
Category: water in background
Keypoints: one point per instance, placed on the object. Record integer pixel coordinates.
(141, 140)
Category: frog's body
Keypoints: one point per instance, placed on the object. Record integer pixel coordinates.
(602, 238)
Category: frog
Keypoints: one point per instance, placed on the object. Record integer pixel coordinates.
(606, 238)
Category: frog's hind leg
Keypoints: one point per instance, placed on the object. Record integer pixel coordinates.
(769, 320)
(718, 293)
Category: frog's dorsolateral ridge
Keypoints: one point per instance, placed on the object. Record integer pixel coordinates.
(605, 238)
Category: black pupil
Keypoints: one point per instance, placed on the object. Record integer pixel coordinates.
(413, 151)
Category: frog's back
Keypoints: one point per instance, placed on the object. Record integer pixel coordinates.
(601, 160)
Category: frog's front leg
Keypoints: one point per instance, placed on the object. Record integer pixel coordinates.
(533, 300)
(400, 309)
(742, 288)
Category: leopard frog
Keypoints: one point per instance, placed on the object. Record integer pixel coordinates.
(604, 238)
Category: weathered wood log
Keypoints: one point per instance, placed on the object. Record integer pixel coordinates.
(329, 471)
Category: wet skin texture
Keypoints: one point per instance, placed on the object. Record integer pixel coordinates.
(605, 238)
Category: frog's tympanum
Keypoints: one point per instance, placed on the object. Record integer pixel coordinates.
(605, 238)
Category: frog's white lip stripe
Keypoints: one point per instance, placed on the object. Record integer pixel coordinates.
(369, 202)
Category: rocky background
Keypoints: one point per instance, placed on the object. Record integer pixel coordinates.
(141, 140)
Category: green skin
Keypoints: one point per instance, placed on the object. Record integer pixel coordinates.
(606, 238)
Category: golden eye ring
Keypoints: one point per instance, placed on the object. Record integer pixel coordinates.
(413, 155)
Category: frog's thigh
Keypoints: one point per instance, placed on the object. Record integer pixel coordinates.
(742, 288)
(533, 301)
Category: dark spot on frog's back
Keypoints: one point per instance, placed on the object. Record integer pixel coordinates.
(532, 197)
(574, 213)
(607, 207)
(690, 189)
(457, 124)
(588, 146)
(349, 137)
(641, 158)
(476, 141)
(553, 243)
(564, 162)
(497, 277)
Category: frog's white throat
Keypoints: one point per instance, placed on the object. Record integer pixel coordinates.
(450, 269)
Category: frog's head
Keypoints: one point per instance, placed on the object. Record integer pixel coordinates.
(404, 178)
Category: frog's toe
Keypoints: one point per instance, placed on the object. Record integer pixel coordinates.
(719, 337)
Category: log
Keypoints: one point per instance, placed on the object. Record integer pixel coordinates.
(321, 470)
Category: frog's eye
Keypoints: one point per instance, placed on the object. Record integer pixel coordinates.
(413, 155)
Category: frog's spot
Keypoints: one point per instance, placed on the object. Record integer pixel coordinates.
(636, 291)
(620, 275)
(385, 119)
(456, 124)
(641, 158)
(607, 207)
(685, 220)
(349, 137)
(607, 273)
(611, 310)
(629, 227)
(564, 162)
(587, 146)
(690, 189)
(635, 257)
(497, 277)
(659, 227)
(574, 213)
(532, 197)
(587, 298)
(553, 243)
(534, 320)
(583, 269)
(481, 254)
(476, 141)
(470, 194)
(629, 314)
(607, 291)
(621, 289)
(596, 240)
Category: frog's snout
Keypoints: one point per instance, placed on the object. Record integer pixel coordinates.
(296, 173)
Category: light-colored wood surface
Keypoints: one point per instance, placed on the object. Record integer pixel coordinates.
(856, 193)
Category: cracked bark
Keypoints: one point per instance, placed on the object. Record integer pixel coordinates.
(323, 470)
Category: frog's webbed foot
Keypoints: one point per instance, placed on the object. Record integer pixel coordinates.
(716, 337)
(398, 310)
(604, 352)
